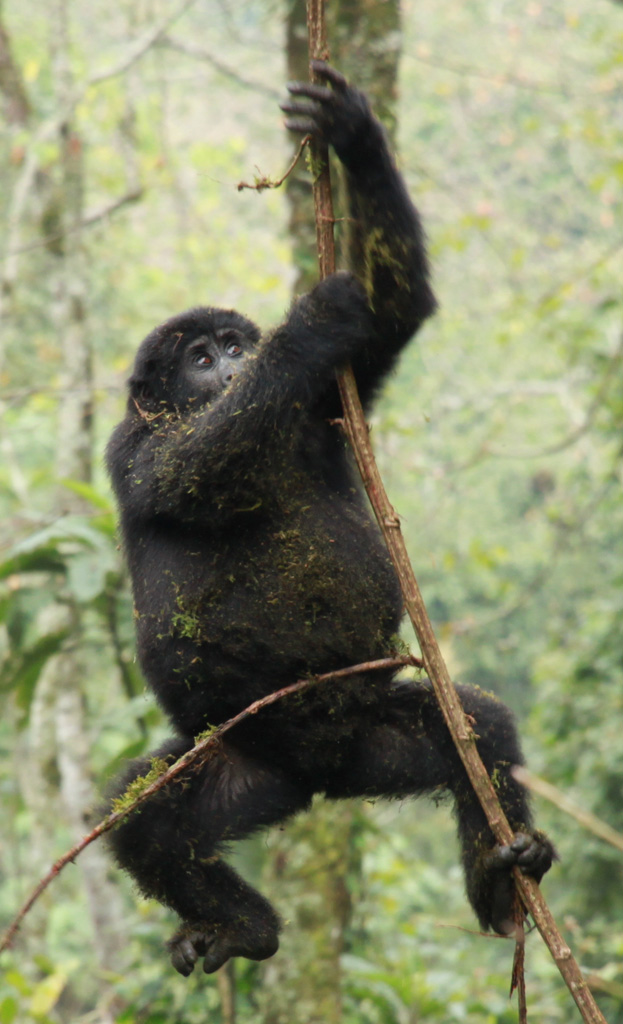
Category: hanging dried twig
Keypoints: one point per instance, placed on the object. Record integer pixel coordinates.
(264, 181)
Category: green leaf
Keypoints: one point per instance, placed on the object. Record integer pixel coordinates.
(87, 573)
(130, 751)
(89, 493)
(8, 1010)
(21, 672)
(69, 528)
(44, 559)
(59, 548)
(47, 993)
(18, 981)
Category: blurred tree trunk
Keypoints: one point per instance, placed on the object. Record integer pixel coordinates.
(57, 756)
(12, 88)
(74, 461)
(314, 864)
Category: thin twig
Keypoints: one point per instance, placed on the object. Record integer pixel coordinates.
(559, 799)
(198, 53)
(610, 374)
(90, 218)
(49, 128)
(139, 47)
(518, 974)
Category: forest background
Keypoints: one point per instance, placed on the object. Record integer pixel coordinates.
(124, 132)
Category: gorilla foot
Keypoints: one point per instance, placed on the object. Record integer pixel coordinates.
(533, 854)
(216, 944)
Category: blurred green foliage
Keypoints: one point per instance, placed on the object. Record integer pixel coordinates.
(499, 440)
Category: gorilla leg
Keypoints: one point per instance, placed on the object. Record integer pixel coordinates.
(171, 847)
(410, 751)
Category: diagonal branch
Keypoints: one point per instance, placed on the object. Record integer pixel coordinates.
(141, 46)
(194, 758)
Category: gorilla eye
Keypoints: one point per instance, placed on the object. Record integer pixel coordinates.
(202, 359)
(234, 349)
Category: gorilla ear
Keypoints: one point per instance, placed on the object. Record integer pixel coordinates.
(143, 373)
(144, 393)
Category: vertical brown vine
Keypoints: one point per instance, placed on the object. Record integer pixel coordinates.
(389, 523)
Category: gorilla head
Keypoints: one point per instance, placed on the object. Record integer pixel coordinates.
(190, 359)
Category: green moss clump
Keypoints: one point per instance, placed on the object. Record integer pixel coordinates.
(158, 766)
(205, 734)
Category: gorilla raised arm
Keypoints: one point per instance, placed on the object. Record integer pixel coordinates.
(255, 561)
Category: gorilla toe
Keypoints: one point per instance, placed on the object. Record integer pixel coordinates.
(217, 945)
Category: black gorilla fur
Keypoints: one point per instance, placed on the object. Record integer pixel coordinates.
(255, 562)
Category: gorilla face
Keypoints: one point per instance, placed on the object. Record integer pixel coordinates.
(190, 359)
(208, 365)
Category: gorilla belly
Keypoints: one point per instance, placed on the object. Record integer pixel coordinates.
(316, 593)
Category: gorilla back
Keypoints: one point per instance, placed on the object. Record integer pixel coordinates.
(255, 561)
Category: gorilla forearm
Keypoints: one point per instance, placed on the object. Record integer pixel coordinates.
(386, 240)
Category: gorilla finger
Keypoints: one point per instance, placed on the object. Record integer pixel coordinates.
(301, 109)
(301, 124)
(216, 956)
(320, 93)
(534, 861)
(521, 843)
(499, 858)
(338, 81)
(184, 957)
(535, 853)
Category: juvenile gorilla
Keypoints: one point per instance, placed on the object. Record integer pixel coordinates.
(255, 562)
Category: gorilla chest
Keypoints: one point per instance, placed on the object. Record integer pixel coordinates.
(312, 589)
